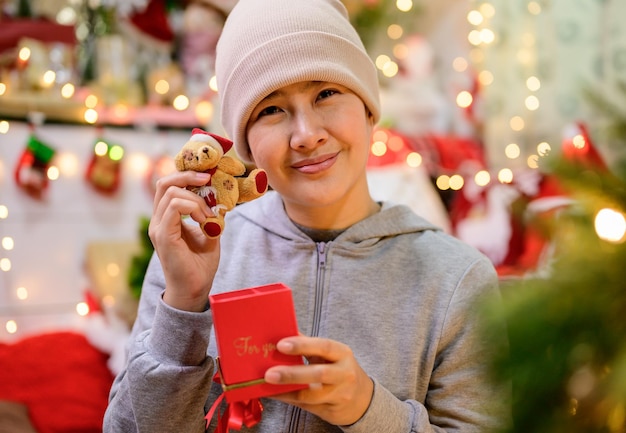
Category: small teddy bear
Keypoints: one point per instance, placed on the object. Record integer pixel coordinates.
(204, 152)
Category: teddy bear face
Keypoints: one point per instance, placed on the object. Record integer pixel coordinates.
(198, 155)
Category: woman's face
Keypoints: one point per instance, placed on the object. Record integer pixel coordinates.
(313, 140)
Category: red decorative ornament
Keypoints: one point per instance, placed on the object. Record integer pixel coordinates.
(104, 169)
(578, 147)
(31, 172)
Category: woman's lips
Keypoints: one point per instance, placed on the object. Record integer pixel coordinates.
(315, 165)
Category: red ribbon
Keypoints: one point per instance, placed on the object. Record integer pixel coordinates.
(236, 414)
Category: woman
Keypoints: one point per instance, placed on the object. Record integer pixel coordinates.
(385, 301)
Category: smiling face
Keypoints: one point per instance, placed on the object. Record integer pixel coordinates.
(313, 140)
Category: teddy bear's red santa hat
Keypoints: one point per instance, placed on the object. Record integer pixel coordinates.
(198, 134)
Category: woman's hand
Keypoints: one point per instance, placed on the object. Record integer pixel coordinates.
(189, 258)
(339, 390)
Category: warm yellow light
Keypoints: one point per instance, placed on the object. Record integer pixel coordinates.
(213, 83)
(108, 300)
(464, 99)
(443, 182)
(390, 69)
(4, 212)
(162, 87)
(475, 18)
(3, 89)
(380, 135)
(485, 78)
(414, 159)
(5, 265)
(120, 111)
(48, 78)
(378, 148)
(533, 84)
(11, 326)
(610, 225)
(91, 116)
(404, 5)
(395, 31)
(67, 91)
(140, 164)
(8, 243)
(512, 151)
(532, 103)
(400, 51)
(181, 103)
(460, 64)
(474, 37)
(456, 182)
(543, 148)
(517, 123)
(101, 148)
(505, 175)
(52, 172)
(68, 164)
(91, 101)
(381, 61)
(482, 178)
(487, 10)
(24, 54)
(4, 126)
(204, 111)
(579, 141)
(66, 16)
(113, 269)
(21, 293)
(487, 36)
(82, 308)
(533, 161)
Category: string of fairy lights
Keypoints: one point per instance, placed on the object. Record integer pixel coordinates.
(610, 224)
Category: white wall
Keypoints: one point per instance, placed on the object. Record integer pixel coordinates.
(51, 235)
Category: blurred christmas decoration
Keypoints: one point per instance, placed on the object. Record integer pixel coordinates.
(31, 171)
(111, 62)
(162, 165)
(139, 262)
(103, 171)
(145, 58)
(566, 324)
(370, 16)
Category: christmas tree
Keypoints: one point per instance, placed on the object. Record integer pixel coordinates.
(567, 326)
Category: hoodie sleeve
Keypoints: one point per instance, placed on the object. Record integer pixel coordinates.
(461, 394)
(168, 374)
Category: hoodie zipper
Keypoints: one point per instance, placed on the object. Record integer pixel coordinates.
(294, 423)
(319, 288)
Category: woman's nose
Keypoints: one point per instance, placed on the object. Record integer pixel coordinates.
(307, 129)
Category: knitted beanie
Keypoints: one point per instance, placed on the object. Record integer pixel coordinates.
(269, 44)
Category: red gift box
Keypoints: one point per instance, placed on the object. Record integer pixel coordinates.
(248, 323)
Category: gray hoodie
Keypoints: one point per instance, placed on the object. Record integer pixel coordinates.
(398, 291)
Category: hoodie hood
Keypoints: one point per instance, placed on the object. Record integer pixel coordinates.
(392, 220)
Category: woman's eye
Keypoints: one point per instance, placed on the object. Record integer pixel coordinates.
(268, 111)
(326, 93)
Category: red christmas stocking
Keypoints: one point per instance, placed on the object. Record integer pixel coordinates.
(103, 172)
(31, 172)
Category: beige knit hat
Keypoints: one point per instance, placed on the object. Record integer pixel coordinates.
(269, 44)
